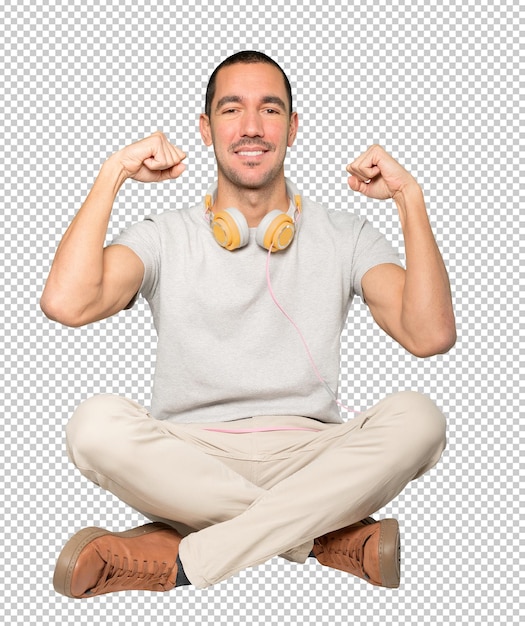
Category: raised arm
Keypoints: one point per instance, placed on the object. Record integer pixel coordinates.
(414, 306)
(88, 282)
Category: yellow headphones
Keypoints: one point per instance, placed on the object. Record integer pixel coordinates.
(230, 228)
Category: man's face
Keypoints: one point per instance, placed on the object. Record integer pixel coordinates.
(250, 125)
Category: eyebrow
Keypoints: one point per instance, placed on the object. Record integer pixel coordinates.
(238, 99)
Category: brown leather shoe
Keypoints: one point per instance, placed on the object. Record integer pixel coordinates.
(368, 549)
(95, 561)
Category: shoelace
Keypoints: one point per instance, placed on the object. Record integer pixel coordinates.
(146, 575)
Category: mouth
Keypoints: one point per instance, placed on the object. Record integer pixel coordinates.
(250, 153)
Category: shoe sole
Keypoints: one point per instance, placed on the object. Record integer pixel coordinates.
(68, 557)
(389, 553)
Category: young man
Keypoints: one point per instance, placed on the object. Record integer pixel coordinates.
(244, 455)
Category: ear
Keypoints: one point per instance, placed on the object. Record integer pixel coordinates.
(204, 126)
(292, 131)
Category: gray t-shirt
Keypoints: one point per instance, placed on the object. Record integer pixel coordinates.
(225, 351)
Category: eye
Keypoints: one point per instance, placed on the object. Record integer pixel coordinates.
(229, 111)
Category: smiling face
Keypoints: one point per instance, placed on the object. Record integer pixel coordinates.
(250, 125)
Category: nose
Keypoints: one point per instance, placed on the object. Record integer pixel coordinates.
(251, 124)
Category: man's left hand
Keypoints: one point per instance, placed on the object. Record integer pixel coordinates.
(378, 175)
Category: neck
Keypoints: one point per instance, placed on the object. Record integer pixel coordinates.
(254, 204)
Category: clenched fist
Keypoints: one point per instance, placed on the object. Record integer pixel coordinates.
(153, 159)
(378, 175)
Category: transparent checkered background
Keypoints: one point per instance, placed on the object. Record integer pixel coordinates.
(438, 85)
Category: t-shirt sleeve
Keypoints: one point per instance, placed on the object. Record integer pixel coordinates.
(371, 248)
(143, 238)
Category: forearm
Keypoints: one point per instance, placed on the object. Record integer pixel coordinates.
(426, 314)
(76, 276)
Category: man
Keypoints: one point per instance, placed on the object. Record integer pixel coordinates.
(244, 455)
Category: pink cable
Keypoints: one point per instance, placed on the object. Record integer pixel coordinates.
(268, 429)
(310, 357)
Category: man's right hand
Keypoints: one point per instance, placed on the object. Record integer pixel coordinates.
(88, 281)
(150, 160)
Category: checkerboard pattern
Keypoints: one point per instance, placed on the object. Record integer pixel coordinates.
(437, 84)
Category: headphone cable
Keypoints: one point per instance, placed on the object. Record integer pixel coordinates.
(301, 336)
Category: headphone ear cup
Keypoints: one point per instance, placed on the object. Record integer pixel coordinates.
(275, 231)
(230, 229)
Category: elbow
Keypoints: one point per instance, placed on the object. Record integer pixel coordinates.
(449, 341)
(425, 351)
(57, 310)
(439, 342)
(447, 334)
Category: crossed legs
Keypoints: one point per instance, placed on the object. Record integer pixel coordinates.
(240, 499)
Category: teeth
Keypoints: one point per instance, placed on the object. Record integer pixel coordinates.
(254, 153)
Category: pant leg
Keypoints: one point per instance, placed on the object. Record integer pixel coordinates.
(158, 468)
(356, 469)
(179, 474)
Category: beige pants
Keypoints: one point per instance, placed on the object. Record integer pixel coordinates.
(240, 499)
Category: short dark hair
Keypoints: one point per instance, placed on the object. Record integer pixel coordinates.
(245, 56)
